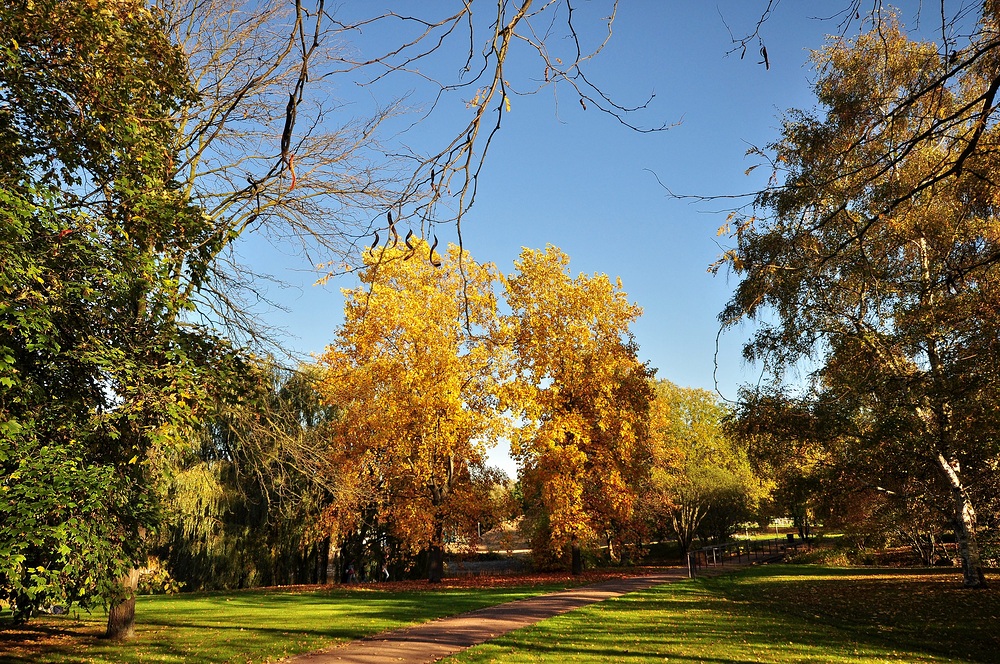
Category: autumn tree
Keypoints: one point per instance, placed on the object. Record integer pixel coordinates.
(829, 462)
(583, 398)
(967, 44)
(876, 256)
(414, 370)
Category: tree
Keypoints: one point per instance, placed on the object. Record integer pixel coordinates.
(244, 506)
(415, 370)
(702, 481)
(100, 376)
(877, 256)
(583, 398)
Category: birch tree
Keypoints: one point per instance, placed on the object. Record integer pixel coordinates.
(877, 256)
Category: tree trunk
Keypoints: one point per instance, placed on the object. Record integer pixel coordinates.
(323, 560)
(121, 616)
(576, 555)
(435, 567)
(965, 526)
(685, 521)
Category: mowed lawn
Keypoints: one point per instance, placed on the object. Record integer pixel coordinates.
(781, 613)
(255, 625)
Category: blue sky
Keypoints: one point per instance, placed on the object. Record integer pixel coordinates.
(579, 180)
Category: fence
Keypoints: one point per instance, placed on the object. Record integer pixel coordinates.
(745, 551)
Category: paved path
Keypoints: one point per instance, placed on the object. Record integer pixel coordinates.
(431, 641)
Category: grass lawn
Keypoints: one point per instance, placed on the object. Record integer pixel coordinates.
(780, 613)
(255, 625)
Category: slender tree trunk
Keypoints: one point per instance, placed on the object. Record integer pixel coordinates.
(965, 526)
(964, 515)
(435, 567)
(324, 560)
(577, 557)
(685, 521)
(121, 616)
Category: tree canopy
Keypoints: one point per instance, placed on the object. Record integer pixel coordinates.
(101, 376)
(415, 370)
(702, 481)
(583, 397)
(877, 258)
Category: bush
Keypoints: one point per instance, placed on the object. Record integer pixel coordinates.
(832, 557)
(155, 579)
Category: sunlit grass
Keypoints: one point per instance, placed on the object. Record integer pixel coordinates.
(247, 626)
(789, 613)
(772, 614)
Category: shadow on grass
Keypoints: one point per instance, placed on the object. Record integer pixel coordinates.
(773, 614)
(920, 610)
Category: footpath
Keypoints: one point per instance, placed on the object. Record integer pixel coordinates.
(434, 640)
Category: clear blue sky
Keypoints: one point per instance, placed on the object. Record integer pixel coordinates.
(579, 180)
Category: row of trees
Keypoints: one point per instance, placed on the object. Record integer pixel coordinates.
(141, 141)
(429, 375)
(426, 375)
(377, 454)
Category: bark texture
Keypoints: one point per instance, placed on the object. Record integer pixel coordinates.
(121, 616)
(965, 526)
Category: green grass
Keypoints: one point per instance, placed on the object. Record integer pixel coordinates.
(247, 626)
(772, 614)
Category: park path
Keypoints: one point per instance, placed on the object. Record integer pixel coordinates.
(434, 640)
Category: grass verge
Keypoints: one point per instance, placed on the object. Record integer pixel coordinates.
(778, 614)
(255, 625)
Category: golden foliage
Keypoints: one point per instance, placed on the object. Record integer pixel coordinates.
(415, 371)
(581, 393)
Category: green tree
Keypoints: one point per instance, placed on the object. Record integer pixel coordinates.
(876, 256)
(244, 508)
(702, 482)
(99, 374)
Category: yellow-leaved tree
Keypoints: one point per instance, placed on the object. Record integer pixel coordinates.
(583, 399)
(414, 371)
